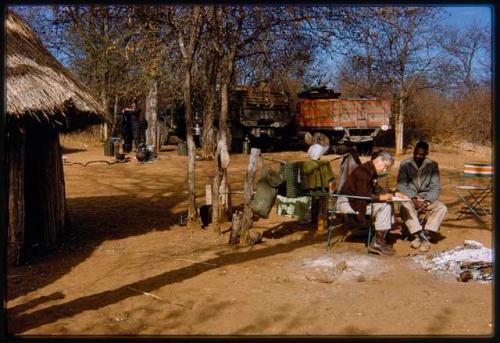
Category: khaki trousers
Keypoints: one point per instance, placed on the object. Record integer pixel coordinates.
(437, 212)
(382, 212)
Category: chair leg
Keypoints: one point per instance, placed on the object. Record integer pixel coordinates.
(369, 238)
(328, 241)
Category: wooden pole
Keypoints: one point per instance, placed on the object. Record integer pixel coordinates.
(248, 189)
(234, 238)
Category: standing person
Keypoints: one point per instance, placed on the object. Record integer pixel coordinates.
(131, 129)
(363, 181)
(418, 178)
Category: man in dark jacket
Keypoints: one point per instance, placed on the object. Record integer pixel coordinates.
(131, 129)
(363, 182)
(418, 178)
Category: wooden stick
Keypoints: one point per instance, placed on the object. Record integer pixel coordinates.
(145, 293)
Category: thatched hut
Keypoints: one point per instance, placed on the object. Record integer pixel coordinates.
(43, 99)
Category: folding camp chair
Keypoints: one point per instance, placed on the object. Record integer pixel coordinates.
(347, 220)
(472, 192)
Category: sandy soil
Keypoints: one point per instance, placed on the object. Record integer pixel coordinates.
(130, 270)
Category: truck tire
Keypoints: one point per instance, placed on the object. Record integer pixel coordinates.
(365, 148)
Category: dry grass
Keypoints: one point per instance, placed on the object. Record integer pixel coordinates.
(83, 139)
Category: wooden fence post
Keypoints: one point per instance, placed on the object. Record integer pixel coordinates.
(248, 190)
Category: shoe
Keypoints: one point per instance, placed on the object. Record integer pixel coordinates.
(381, 248)
(425, 246)
(416, 243)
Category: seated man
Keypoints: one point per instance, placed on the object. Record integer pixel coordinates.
(418, 178)
(363, 181)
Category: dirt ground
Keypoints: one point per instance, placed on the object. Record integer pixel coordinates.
(129, 269)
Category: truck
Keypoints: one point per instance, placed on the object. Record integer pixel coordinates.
(262, 117)
(345, 121)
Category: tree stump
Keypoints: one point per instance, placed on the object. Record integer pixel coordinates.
(234, 237)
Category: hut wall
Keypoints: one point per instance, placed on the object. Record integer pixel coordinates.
(36, 211)
(15, 158)
(45, 191)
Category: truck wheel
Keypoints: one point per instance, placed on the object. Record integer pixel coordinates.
(365, 148)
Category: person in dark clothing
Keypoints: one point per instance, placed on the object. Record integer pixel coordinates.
(131, 128)
(363, 181)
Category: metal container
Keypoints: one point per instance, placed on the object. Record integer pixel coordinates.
(182, 149)
(246, 147)
(109, 147)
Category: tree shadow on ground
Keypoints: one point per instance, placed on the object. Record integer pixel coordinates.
(53, 313)
(67, 151)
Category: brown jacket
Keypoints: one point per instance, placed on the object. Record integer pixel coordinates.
(363, 181)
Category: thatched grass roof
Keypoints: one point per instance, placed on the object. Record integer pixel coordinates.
(39, 87)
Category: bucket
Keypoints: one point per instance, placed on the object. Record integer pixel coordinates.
(182, 149)
(182, 219)
(109, 148)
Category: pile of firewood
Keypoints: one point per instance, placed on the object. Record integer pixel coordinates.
(476, 270)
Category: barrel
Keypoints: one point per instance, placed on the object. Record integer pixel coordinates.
(182, 148)
(246, 147)
(109, 147)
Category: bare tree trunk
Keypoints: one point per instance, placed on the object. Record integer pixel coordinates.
(187, 59)
(399, 126)
(114, 125)
(248, 190)
(208, 134)
(192, 211)
(152, 115)
(104, 126)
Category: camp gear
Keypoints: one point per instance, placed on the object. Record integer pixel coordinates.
(297, 207)
(265, 192)
(315, 175)
(182, 219)
(143, 154)
(473, 192)
(109, 147)
(246, 146)
(291, 187)
(182, 149)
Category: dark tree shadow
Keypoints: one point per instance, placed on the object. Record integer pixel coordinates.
(24, 322)
(67, 151)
